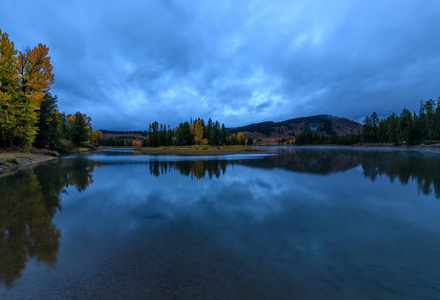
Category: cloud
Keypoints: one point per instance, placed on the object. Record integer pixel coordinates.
(127, 64)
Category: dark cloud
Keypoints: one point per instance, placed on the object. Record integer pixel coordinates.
(129, 63)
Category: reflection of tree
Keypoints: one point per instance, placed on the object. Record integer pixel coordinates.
(405, 166)
(25, 226)
(28, 201)
(198, 169)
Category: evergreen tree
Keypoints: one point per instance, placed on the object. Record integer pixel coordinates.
(170, 135)
(183, 135)
(209, 133)
(405, 123)
(393, 129)
(216, 132)
(48, 132)
(429, 108)
(437, 120)
(414, 131)
(382, 135)
(78, 130)
(223, 135)
(367, 130)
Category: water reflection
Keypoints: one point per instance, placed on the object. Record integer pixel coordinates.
(405, 166)
(262, 226)
(305, 160)
(29, 200)
(401, 165)
(196, 169)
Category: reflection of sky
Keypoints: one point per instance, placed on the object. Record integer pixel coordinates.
(343, 232)
(128, 195)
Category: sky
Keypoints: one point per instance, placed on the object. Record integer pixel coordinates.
(128, 63)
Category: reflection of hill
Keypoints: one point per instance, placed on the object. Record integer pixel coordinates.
(198, 169)
(28, 201)
(308, 161)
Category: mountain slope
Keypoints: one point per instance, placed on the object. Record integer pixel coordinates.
(324, 124)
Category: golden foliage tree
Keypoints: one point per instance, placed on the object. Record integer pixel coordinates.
(136, 144)
(240, 139)
(233, 139)
(198, 132)
(97, 134)
(8, 85)
(35, 78)
(25, 77)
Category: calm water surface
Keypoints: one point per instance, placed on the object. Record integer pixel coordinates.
(304, 223)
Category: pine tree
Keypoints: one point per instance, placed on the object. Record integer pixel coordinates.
(48, 132)
(223, 135)
(78, 130)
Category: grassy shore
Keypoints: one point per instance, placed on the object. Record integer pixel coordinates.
(12, 160)
(200, 150)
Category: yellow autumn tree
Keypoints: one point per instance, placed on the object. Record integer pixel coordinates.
(198, 132)
(136, 144)
(8, 85)
(240, 139)
(97, 134)
(233, 139)
(35, 78)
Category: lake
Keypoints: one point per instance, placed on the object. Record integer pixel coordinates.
(297, 223)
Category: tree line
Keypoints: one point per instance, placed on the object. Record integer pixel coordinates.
(409, 128)
(405, 128)
(193, 132)
(29, 114)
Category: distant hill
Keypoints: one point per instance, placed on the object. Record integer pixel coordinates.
(324, 124)
(128, 136)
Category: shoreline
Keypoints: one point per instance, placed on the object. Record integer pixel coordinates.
(10, 161)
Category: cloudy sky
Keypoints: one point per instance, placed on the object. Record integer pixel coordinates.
(128, 63)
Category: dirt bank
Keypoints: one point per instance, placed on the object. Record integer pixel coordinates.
(13, 160)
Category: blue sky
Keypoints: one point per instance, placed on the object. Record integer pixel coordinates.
(128, 63)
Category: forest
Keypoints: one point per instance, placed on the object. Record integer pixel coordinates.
(194, 132)
(407, 128)
(29, 115)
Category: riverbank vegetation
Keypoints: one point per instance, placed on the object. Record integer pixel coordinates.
(406, 128)
(29, 115)
(193, 132)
